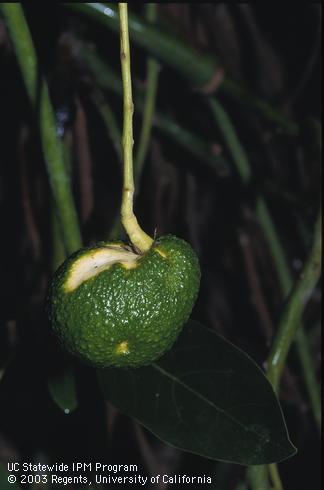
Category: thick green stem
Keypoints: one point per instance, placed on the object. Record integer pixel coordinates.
(258, 477)
(198, 69)
(275, 477)
(285, 279)
(286, 283)
(58, 177)
(58, 254)
(138, 237)
(292, 314)
(64, 216)
(152, 76)
(52, 147)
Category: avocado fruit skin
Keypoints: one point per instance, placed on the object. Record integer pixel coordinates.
(126, 316)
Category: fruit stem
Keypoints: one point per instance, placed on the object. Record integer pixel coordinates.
(137, 236)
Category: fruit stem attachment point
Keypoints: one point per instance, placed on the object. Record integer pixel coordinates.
(137, 236)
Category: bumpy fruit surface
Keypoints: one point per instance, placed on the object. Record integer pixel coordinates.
(113, 307)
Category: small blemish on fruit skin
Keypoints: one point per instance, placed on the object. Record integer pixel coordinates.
(159, 251)
(129, 265)
(122, 348)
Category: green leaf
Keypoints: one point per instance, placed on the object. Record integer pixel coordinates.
(207, 397)
(4, 483)
(62, 388)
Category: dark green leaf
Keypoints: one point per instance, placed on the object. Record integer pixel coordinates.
(62, 388)
(205, 396)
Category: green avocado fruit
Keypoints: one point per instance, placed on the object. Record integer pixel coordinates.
(111, 306)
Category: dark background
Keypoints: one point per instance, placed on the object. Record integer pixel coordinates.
(272, 49)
